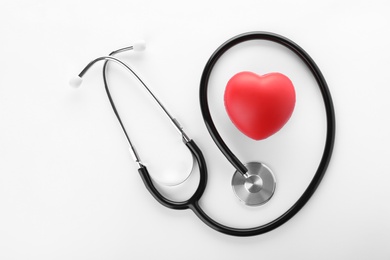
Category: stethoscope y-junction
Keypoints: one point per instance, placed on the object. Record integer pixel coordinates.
(253, 182)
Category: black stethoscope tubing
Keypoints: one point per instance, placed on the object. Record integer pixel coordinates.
(193, 202)
(330, 116)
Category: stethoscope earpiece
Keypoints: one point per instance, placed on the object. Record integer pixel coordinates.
(76, 81)
(139, 45)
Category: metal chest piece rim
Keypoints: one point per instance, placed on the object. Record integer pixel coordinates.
(258, 187)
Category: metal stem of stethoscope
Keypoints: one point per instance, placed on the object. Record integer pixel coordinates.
(175, 123)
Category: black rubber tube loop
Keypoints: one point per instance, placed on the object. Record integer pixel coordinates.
(330, 134)
(179, 205)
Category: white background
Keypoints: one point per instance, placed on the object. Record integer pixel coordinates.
(68, 186)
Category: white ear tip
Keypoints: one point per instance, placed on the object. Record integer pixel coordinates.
(76, 81)
(139, 45)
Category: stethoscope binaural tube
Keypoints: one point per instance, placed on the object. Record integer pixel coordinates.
(77, 81)
(143, 171)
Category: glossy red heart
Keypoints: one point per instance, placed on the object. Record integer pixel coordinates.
(259, 106)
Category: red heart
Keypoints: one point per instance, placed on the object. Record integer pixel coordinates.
(259, 106)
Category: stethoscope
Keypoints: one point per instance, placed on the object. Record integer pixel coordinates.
(244, 173)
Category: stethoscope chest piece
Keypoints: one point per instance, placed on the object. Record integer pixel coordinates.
(257, 187)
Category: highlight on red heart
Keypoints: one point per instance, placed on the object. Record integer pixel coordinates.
(259, 105)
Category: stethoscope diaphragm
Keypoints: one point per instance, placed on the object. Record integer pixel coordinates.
(257, 187)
